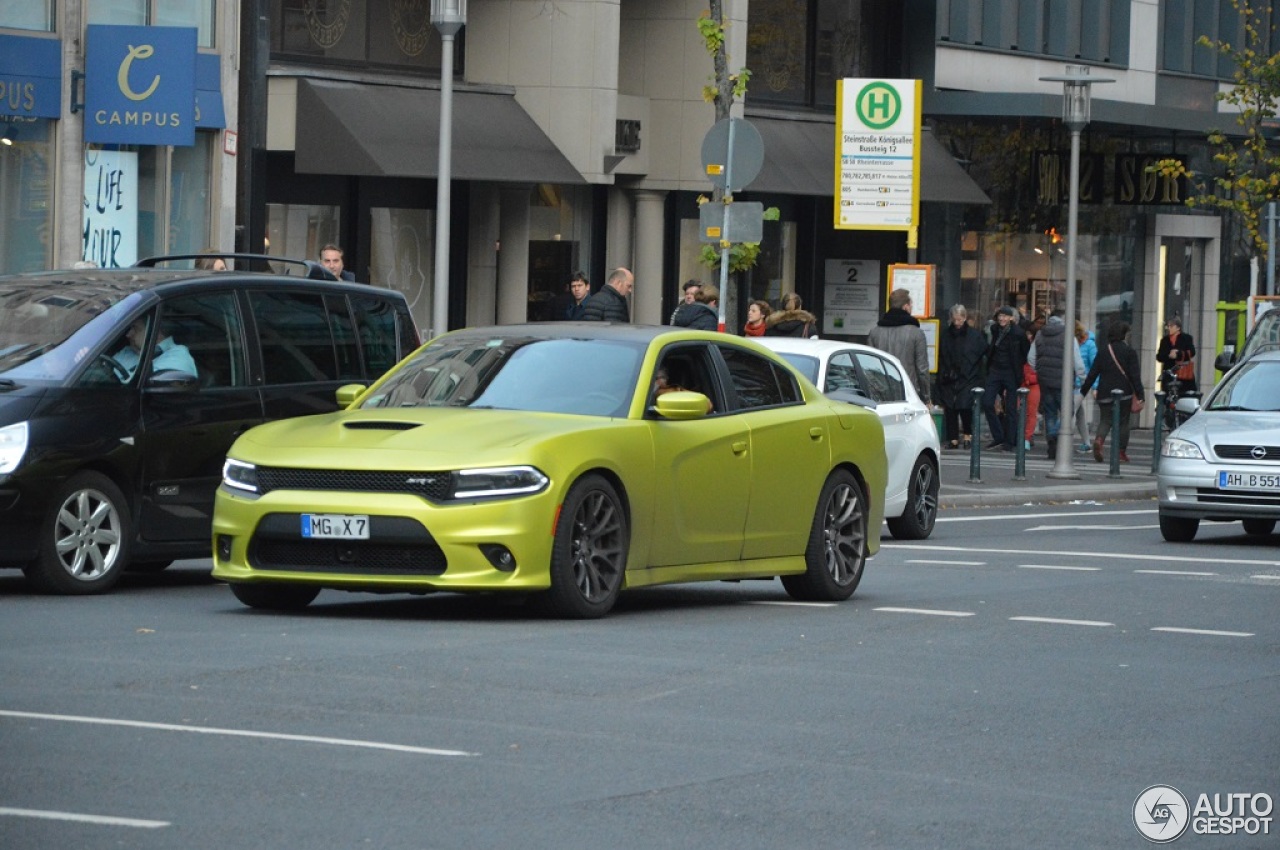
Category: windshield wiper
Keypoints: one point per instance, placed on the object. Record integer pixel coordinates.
(8, 384)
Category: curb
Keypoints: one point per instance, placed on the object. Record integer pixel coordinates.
(1005, 496)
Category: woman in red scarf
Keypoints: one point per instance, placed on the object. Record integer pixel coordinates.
(757, 312)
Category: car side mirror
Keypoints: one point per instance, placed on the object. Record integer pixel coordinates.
(348, 393)
(1225, 360)
(681, 405)
(1187, 405)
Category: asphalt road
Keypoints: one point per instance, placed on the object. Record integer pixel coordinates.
(1015, 681)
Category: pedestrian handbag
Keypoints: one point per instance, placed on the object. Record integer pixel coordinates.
(1187, 371)
(1135, 404)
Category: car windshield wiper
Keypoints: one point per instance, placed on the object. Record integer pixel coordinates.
(1234, 407)
(8, 384)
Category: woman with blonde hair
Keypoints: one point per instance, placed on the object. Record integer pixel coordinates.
(791, 319)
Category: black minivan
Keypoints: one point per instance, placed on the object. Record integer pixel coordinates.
(121, 391)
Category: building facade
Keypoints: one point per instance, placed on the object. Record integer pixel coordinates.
(113, 139)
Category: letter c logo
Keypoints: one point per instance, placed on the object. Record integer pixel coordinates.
(122, 77)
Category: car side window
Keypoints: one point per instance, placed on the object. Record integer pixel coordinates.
(209, 326)
(686, 367)
(296, 338)
(883, 378)
(344, 338)
(843, 375)
(376, 324)
(757, 381)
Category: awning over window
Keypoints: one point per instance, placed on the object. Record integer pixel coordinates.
(800, 159)
(394, 131)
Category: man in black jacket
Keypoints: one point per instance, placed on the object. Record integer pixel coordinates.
(610, 303)
(1005, 358)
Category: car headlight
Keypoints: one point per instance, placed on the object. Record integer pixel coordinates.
(240, 475)
(498, 482)
(1174, 447)
(13, 445)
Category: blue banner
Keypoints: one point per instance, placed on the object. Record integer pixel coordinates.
(140, 85)
(209, 110)
(30, 77)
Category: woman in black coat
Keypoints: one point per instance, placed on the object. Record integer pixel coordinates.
(1115, 368)
(960, 355)
(1176, 354)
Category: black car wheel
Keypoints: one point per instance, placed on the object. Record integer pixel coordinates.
(916, 522)
(84, 538)
(837, 549)
(1178, 529)
(1259, 527)
(275, 597)
(589, 554)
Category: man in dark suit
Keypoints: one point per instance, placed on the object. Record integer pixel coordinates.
(331, 259)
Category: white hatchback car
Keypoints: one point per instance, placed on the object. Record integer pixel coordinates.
(910, 436)
(1223, 463)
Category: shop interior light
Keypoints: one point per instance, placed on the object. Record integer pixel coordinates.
(9, 137)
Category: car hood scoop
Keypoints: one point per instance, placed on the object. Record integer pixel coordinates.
(374, 425)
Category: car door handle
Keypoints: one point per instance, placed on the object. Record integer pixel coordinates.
(740, 447)
(816, 433)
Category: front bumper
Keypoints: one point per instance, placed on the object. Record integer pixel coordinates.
(1189, 488)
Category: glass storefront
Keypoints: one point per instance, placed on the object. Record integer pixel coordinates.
(26, 194)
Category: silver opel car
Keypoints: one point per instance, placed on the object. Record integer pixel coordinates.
(1223, 464)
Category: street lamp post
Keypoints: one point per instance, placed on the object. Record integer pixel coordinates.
(1075, 115)
(448, 16)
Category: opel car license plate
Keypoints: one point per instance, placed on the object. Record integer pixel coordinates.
(1248, 481)
(335, 526)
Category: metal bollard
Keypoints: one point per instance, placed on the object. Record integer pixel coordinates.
(1020, 451)
(975, 445)
(1116, 404)
(1157, 432)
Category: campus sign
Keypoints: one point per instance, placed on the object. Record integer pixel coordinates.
(30, 77)
(140, 85)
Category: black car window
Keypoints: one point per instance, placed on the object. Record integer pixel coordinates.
(883, 378)
(344, 338)
(686, 367)
(376, 321)
(757, 381)
(842, 374)
(297, 342)
(209, 326)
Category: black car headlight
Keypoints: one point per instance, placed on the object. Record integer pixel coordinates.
(240, 475)
(498, 482)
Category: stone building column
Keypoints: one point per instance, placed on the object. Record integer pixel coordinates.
(482, 255)
(513, 254)
(647, 299)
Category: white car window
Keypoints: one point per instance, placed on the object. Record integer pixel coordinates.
(883, 377)
(843, 375)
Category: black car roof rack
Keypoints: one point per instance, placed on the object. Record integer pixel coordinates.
(249, 262)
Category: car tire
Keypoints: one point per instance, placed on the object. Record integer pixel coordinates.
(837, 550)
(84, 538)
(1178, 529)
(275, 597)
(589, 553)
(921, 511)
(1259, 527)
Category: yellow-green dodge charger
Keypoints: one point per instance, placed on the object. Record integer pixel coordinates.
(564, 462)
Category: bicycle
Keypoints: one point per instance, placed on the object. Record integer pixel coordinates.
(1172, 392)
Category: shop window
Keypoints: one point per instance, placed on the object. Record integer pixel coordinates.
(797, 49)
(173, 201)
(358, 32)
(200, 14)
(299, 231)
(28, 15)
(26, 195)
(402, 256)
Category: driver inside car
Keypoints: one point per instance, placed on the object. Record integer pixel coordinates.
(167, 355)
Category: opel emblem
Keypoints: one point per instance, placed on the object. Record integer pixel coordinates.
(1258, 452)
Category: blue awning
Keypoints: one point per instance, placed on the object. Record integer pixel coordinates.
(209, 108)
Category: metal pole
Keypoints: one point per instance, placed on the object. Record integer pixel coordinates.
(1271, 247)
(1158, 431)
(975, 439)
(1020, 453)
(724, 228)
(1117, 402)
(1063, 462)
(440, 285)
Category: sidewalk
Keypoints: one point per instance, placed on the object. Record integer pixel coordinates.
(998, 487)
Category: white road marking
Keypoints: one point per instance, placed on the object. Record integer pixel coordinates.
(1054, 515)
(1173, 573)
(1264, 576)
(928, 611)
(953, 563)
(1201, 632)
(1120, 556)
(104, 820)
(794, 604)
(1091, 527)
(237, 733)
(1058, 567)
(1057, 621)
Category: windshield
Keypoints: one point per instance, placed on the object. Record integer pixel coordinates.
(583, 376)
(1254, 385)
(1265, 334)
(46, 333)
(807, 365)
